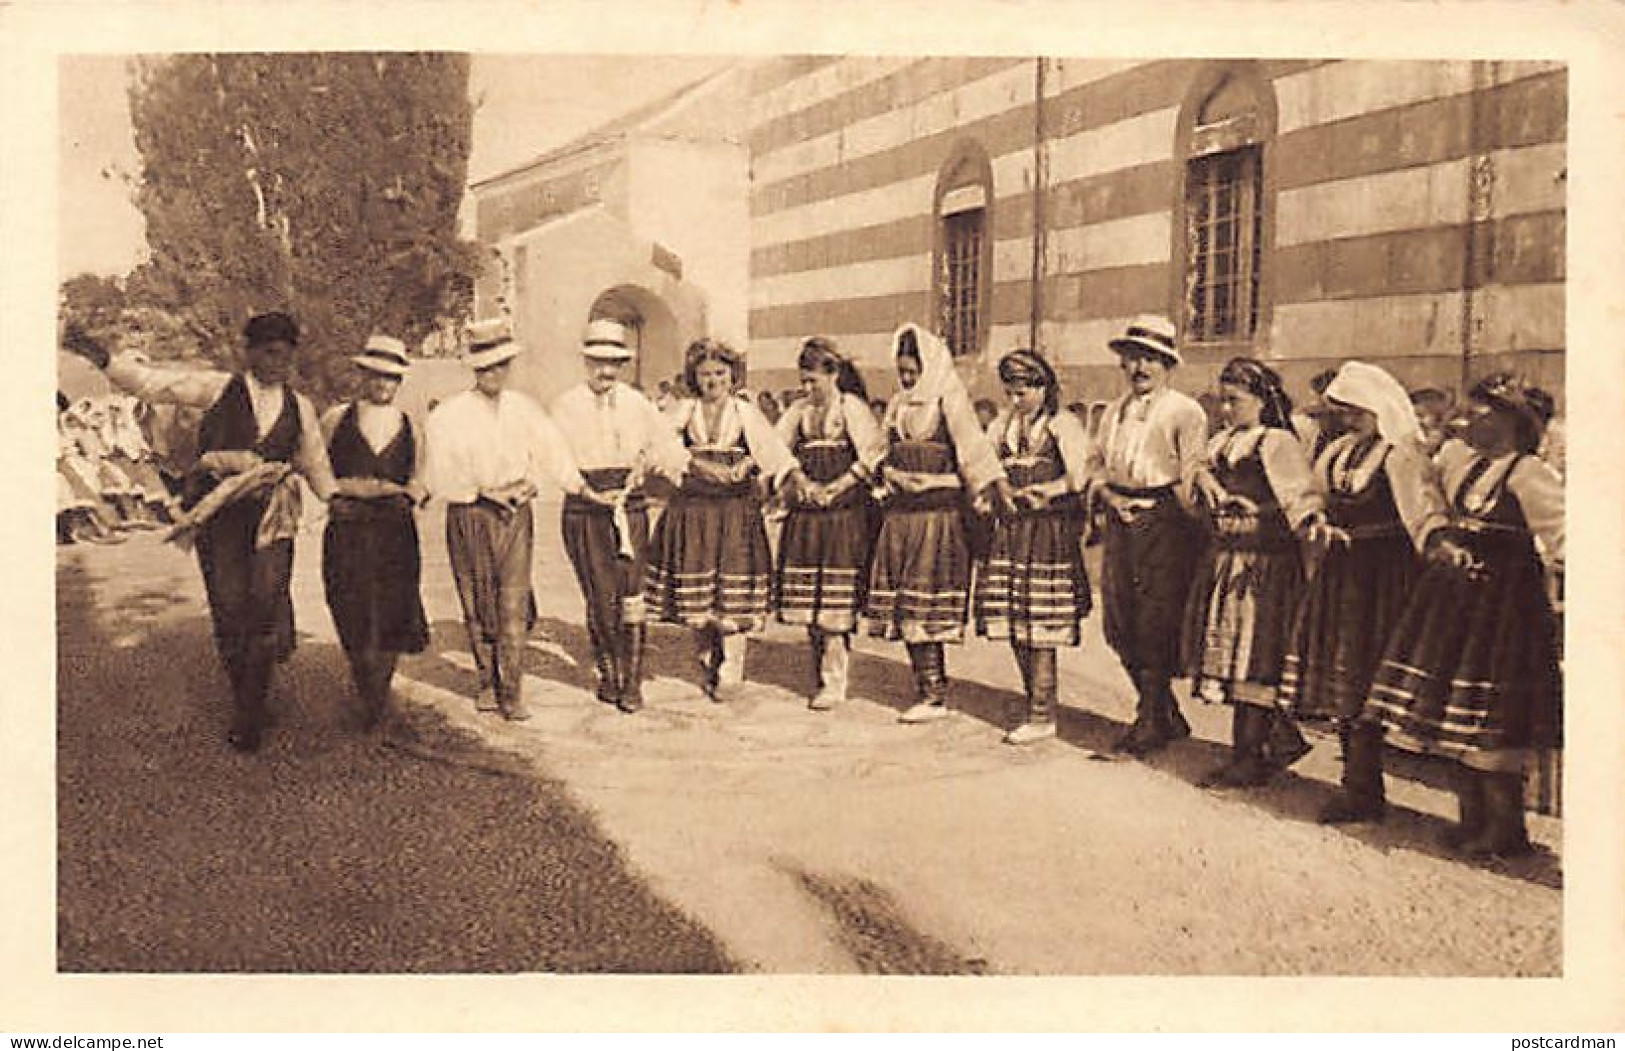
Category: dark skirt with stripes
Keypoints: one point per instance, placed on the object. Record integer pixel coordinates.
(1351, 606)
(822, 577)
(1470, 671)
(919, 582)
(1031, 587)
(709, 562)
(1238, 622)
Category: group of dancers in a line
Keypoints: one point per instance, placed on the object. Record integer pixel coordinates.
(1398, 595)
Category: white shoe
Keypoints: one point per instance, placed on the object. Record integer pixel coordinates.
(1030, 733)
(924, 712)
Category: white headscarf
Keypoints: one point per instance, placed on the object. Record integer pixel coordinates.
(938, 381)
(1374, 390)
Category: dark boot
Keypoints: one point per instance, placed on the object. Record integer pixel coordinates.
(1247, 767)
(819, 642)
(931, 679)
(1150, 731)
(1174, 724)
(1504, 834)
(708, 648)
(1284, 745)
(249, 696)
(1469, 786)
(1015, 712)
(605, 662)
(1040, 721)
(1362, 797)
(633, 637)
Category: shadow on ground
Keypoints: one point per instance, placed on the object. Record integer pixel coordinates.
(324, 852)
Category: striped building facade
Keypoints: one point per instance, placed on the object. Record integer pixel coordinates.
(1307, 212)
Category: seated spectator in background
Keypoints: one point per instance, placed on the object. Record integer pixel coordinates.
(986, 411)
(84, 424)
(80, 514)
(769, 407)
(129, 452)
(1434, 409)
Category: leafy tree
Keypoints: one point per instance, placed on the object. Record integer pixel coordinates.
(324, 184)
(92, 304)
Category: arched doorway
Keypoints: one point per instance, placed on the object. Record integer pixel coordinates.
(651, 329)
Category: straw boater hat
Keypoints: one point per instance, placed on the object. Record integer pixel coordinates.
(385, 355)
(605, 340)
(1148, 332)
(490, 343)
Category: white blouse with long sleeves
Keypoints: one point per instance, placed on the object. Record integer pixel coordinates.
(617, 429)
(913, 420)
(1285, 466)
(847, 416)
(1077, 455)
(1539, 490)
(1411, 479)
(739, 417)
(478, 444)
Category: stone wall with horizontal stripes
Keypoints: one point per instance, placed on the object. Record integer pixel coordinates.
(1376, 249)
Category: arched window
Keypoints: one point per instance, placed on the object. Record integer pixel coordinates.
(962, 283)
(1223, 224)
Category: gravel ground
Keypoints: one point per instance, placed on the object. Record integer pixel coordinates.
(325, 852)
(841, 843)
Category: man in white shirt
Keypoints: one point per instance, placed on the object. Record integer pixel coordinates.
(490, 451)
(1150, 445)
(615, 437)
(257, 427)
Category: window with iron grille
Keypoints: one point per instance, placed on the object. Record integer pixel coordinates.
(1224, 237)
(961, 280)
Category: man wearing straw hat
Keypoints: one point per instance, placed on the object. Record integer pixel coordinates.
(1151, 441)
(371, 565)
(615, 436)
(490, 451)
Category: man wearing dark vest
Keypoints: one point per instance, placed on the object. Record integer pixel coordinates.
(242, 498)
(1151, 441)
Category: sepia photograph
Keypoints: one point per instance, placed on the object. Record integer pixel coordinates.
(803, 512)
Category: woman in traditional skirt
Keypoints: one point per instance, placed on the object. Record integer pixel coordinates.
(709, 563)
(1379, 498)
(1470, 670)
(1256, 494)
(370, 559)
(1031, 587)
(934, 454)
(828, 534)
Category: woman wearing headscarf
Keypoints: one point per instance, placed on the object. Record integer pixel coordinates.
(934, 455)
(1379, 499)
(371, 564)
(1257, 496)
(1470, 670)
(1031, 586)
(709, 563)
(828, 535)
